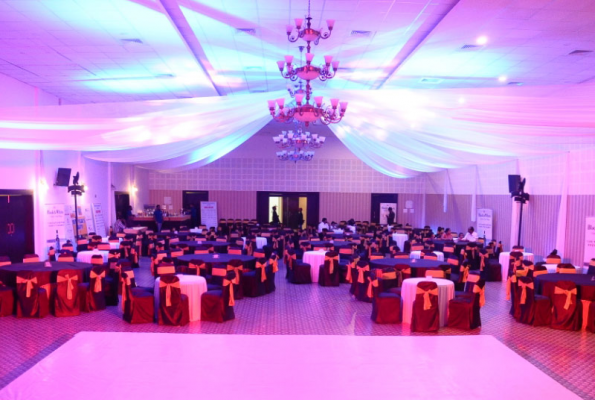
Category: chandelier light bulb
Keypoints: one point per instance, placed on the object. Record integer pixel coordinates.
(334, 102)
(330, 23)
(281, 102)
(344, 106)
(271, 104)
(335, 65)
(299, 97)
(318, 100)
(328, 59)
(288, 59)
(298, 23)
(309, 57)
(281, 65)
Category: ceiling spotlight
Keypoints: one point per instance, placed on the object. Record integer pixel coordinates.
(502, 78)
(461, 100)
(482, 40)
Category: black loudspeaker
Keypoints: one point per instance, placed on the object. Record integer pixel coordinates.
(63, 177)
(513, 183)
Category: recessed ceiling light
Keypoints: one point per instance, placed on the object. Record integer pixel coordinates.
(502, 78)
(461, 100)
(482, 40)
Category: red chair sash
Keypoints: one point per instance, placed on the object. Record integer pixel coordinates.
(98, 277)
(426, 294)
(168, 287)
(70, 286)
(524, 286)
(568, 294)
(481, 292)
(29, 282)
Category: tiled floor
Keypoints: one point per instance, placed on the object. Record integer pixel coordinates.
(568, 357)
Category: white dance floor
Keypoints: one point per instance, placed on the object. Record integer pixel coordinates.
(101, 366)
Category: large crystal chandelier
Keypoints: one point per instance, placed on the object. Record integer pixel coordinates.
(301, 144)
(304, 112)
(295, 155)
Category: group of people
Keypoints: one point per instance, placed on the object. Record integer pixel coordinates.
(446, 234)
(296, 219)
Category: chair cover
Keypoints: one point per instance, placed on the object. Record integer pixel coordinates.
(174, 308)
(32, 301)
(255, 280)
(566, 309)
(4, 260)
(30, 258)
(435, 273)
(138, 304)
(360, 281)
(67, 300)
(389, 279)
(93, 293)
(238, 285)
(6, 300)
(271, 271)
(329, 271)
(386, 306)
(425, 313)
(565, 269)
(591, 318)
(300, 271)
(217, 305)
(530, 308)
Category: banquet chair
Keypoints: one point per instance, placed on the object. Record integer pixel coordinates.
(520, 249)
(271, 271)
(429, 256)
(388, 278)
(464, 310)
(174, 308)
(539, 270)
(217, 305)
(447, 269)
(530, 308)
(425, 314)
(401, 255)
(238, 285)
(156, 260)
(30, 258)
(386, 306)
(255, 280)
(590, 323)
(103, 246)
(329, 271)
(176, 253)
(138, 304)
(5, 260)
(6, 300)
(258, 254)
(67, 300)
(65, 256)
(195, 267)
(235, 250)
(360, 282)
(299, 271)
(553, 259)
(32, 300)
(565, 269)
(417, 246)
(435, 273)
(566, 309)
(166, 267)
(590, 271)
(82, 245)
(460, 278)
(203, 249)
(93, 293)
(448, 249)
(97, 259)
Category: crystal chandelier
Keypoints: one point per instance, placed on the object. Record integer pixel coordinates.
(299, 140)
(295, 155)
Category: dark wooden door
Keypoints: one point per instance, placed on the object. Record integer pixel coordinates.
(122, 203)
(378, 198)
(194, 197)
(16, 225)
(291, 204)
(262, 205)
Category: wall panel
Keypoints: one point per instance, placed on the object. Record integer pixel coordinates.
(233, 204)
(343, 206)
(414, 219)
(579, 208)
(540, 218)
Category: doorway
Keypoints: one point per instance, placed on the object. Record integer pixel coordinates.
(194, 197)
(16, 224)
(288, 206)
(380, 203)
(122, 202)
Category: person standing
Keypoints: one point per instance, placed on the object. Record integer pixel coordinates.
(275, 220)
(300, 218)
(390, 218)
(193, 216)
(158, 216)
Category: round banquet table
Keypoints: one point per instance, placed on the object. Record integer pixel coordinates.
(551, 268)
(220, 247)
(446, 292)
(400, 239)
(418, 267)
(504, 259)
(192, 286)
(249, 261)
(112, 245)
(315, 259)
(85, 256)
(44, 275)
(260, 242)
(545, 284)
(417, 255)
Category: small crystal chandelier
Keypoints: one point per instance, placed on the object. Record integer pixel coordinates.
(295, 155)
(308, 34)
(300, 140)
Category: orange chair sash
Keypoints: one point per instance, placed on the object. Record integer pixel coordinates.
(509, 282)
(263, 275)
(389, 275)
(274, 263)
(482, 263)
(348, 277)
(331, 263)
(98, 277)
(427, 293)
(568, 294)
(453, 261)
(70, 286)
(237, 270)
(219, 272)
(371, 283)
(168, 287)
(360, 273)
(482, 295)
(228, 283)
(523, 287)
(464, 274)
(28, 282)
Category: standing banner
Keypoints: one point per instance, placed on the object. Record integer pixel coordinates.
(88, 212)
(98, 219)
(55, 223)
(589, 241)
(71, 221)
(484, 223)
(384, 211)
(208, 214)
(68, 226)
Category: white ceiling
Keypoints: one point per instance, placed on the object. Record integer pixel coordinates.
(190, 48)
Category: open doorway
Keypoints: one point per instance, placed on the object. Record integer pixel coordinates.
(288, 206)
(122, 202)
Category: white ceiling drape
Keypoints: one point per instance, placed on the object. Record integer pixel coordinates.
(397, 132)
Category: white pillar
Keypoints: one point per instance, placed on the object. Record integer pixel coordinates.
(563, 211)
(474, 196)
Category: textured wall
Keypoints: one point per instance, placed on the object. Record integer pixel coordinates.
(343, 206)
(540, 220)
(232, 204)
(579, 208)
(414, 219)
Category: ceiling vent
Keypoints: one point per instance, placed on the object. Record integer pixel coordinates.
(131, 42)
(253, 68)
(430, 81)
(580, 52)
(515, 83)
(246, 31)
(164, 76)
(362, 34)
(471, 47)
(258, 91)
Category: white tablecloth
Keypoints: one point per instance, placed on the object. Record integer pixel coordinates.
(400, 239)
(315, 259)
(338, 231)
(260, 242)
(112, 245)
(85, 256)
(446, 292)
(505, 259)
(551, 268)
(192, 286)
(417, 255)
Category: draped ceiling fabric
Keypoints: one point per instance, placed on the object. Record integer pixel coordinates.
(400, 133)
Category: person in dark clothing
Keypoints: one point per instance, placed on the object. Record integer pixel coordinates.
(300, 218)
(390, 218)
(129, 215)
(158, 215)
(275, 220)
(193, 216)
